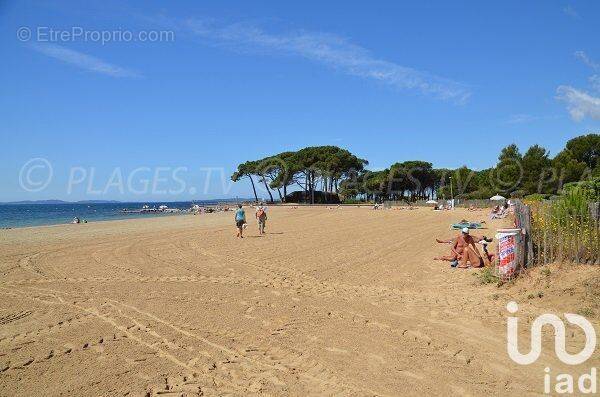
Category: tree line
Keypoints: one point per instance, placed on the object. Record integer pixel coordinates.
(336, 172)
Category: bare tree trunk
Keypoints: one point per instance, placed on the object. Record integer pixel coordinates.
(306, 189)
(253, 188)
(267, 187)
(312, 187)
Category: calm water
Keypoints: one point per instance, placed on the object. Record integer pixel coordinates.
(21, 215)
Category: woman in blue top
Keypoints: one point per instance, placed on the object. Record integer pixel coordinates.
(240, 220)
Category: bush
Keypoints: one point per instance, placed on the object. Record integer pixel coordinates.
(537, 197)
(487, 276)
(564, 230)
(301, 196)
(590, 189)
(518, 194)
(353, 201)
(572, 207)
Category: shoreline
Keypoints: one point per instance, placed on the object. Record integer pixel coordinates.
(149, 216)
(183, 213)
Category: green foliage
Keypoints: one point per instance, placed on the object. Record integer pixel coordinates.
(546, 272)
(306, 167)
(572, 207)
(536, 197)
(564, 230)
(586, 312)
(586, 149)
(590, 189)
(567, 167)
(353, 201)
(487, 276)
(509, 172)
(533, 175)
(535, 162)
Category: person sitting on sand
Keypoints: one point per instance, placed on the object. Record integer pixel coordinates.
(501, 213)
(240, 221)
(486, 254)
(261, 217)
(463, 248)
(470, 256)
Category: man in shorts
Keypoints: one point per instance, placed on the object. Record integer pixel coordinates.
(240, 221)
(261, 217)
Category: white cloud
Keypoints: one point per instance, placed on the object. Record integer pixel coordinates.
(333, 51)
(579, 103)
(570, 11)
(585, 59)
(83, 61)
(527, 118)
(595, 82)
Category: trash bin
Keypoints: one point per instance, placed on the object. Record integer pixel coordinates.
(508, 252)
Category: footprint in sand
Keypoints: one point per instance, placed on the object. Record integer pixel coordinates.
(336, 350)
(375, 357)
(410, 374)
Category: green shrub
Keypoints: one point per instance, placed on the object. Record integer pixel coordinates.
(590, 189)
(353, 201)
(518, 194)
(572, 207)
(564, 230)
(546, 272)
(487, 276)
(536, 197)
(585, 312)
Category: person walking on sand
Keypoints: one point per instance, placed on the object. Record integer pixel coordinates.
(261, 217)
(240, 221)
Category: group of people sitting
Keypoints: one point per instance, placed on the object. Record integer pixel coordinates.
(464, 252)
(499, 211)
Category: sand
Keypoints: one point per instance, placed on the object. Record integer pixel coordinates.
(329, 302)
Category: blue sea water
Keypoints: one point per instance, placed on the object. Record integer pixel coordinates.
(23, 215)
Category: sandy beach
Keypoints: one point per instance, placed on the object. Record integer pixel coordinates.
(329, 302)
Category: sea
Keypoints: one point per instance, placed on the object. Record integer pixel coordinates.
(25, 215)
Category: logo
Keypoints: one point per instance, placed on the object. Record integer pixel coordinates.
(564, 382)
(559, 337)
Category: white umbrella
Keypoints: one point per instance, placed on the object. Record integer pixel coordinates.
(431, 202)
(497, 198)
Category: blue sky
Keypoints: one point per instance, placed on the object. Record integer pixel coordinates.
(447, 82)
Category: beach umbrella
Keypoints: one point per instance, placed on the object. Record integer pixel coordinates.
(497, 198)
(431, 202)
